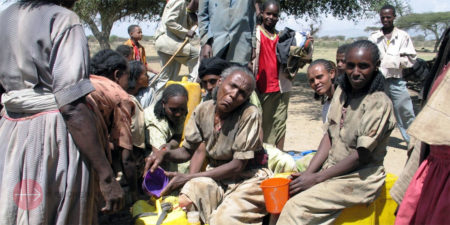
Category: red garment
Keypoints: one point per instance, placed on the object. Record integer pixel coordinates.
(267, 77)
(427, 199)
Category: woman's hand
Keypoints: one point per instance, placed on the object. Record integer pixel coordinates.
(177, 181)
(153, 160)
(301, 182)
(112, 193)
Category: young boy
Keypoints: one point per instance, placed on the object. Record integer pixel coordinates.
(135, 33)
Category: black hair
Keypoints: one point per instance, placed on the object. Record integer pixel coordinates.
(131, 28)
(106, 62)
(388, 6)
(170, 91)
(268, 3)
(342, 49)
(214, 65)
(124, 50)
(377, 83)
(136, 69)
(442, 59)
(327, 64)
(36, 3)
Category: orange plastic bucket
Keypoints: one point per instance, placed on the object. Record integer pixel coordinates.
(276, 193)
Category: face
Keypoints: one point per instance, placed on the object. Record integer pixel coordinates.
(387, 18)
(359, 68)
(233, 91)
(136, 34)
(176, 108)
(270, 16)
(340, 62)
(320, 79)
(142, 81)
(123, 79)
(209, 82)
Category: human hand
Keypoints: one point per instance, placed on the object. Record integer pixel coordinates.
(301, 182)
(154, 160)
(190, 33)
(206, 52)
(113, 195)
(177, 181)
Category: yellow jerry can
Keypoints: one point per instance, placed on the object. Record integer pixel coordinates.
(194, 95)
(381, 211)
(146, 213)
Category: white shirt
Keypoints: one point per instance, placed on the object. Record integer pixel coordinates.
(396, 53)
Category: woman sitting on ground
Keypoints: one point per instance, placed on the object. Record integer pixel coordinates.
(320, 74)
(226, 131)
(164, 121)
(348, 167)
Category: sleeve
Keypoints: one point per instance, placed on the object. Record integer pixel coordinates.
(192, 134)
(69, 60)
(203, 21)
(174, 9)
(121, 126)
(407, 53)
(248, 138)
(156, 132)
(376, 123)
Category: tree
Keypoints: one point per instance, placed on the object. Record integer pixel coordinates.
(344, 9)
(432, 22)
(100, 15)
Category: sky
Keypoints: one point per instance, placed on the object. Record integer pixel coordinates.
(330, 26)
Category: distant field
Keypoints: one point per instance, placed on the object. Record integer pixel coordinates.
(324, 49)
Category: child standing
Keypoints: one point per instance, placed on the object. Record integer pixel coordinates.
(135, 33)
(271, 84)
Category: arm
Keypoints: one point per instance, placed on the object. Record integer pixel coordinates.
(151, 70)
(206, 38)
(178, 155)
(81, 125)
(407, 53)
(225, 171)
(321, 155)
(198, 159)
(69, 65)
(174, 10)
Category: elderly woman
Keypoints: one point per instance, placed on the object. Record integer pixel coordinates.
(227, 131)
(348, 167)
(51, 159)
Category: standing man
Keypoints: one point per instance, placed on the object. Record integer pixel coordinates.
(226, 28)
(397, 53)
(170, 35)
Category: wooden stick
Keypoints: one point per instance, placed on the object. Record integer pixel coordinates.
(172, 58)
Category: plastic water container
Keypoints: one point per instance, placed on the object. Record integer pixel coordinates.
(176, 217)
(381, 211)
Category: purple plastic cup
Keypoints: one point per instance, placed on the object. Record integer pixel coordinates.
(155, 182)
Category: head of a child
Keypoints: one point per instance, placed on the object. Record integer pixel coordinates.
(321, 73)
(340, 58)
(135, 32)
(270, 13)
(126, 51)
(138, 77)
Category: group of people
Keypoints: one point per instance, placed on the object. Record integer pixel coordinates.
(74, 129)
